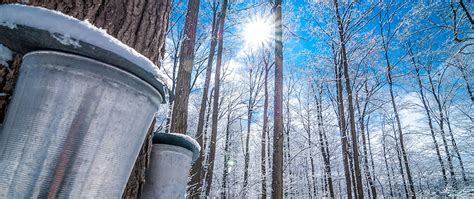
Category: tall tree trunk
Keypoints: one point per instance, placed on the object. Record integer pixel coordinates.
(215, 106)
(289, 190)
(226, 157)
(197, 173)
(400, 162)
(430, 123)
(442, 130)
(311, 159)
(342, 127)
(323, 142)
(308, 182)
(370, 147)
(344, 62)
(384, 147)
(264, 138)
(368, 174)
(205, 134)
(397, 118)
(277, 172)
(123, 20)
(179, 117)
(247, 140)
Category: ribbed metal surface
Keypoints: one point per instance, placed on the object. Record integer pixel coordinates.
(73, 129)
(167, 175)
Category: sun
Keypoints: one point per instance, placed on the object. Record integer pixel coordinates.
(257, 32)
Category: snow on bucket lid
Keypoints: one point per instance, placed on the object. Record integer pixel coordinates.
(178, 140)
(28, 28)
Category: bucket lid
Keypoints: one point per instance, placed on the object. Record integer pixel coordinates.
(27, 28)
(178, 140)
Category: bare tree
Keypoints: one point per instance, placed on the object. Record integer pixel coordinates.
(345, 67)
(428, 114)
(215, 106)
(387, 35)
(255, 83)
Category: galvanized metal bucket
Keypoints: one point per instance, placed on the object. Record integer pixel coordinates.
(171, 159)
(74, 128)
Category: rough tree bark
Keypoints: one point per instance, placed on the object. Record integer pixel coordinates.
(141, 25)
(179, 117)
(197, 173)
(277, 172)
(215, 105)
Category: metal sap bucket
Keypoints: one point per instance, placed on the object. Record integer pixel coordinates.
(80, 111)
(73, 129)
(171, 159)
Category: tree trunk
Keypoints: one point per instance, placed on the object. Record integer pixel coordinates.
(277, 172)
(8, 77)
(264, 132)
(179, 117)
(123, 19)
(368, 175)
(226, 157)
(310, 148)
(215, 106)
(384, 147)
(442, 129)
(289, 189)
(247, 140)
(197, 173)
(456, 150)
(136, 180)
(342, 127)
(430, 124)
(344, 62)
(400, 162)
(397, 118)
(323, 142)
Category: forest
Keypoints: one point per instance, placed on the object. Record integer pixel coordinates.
(376, 97)
(291, 98)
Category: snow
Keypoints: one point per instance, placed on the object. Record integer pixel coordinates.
(5, 55)
(66, 40)
(69, 31)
